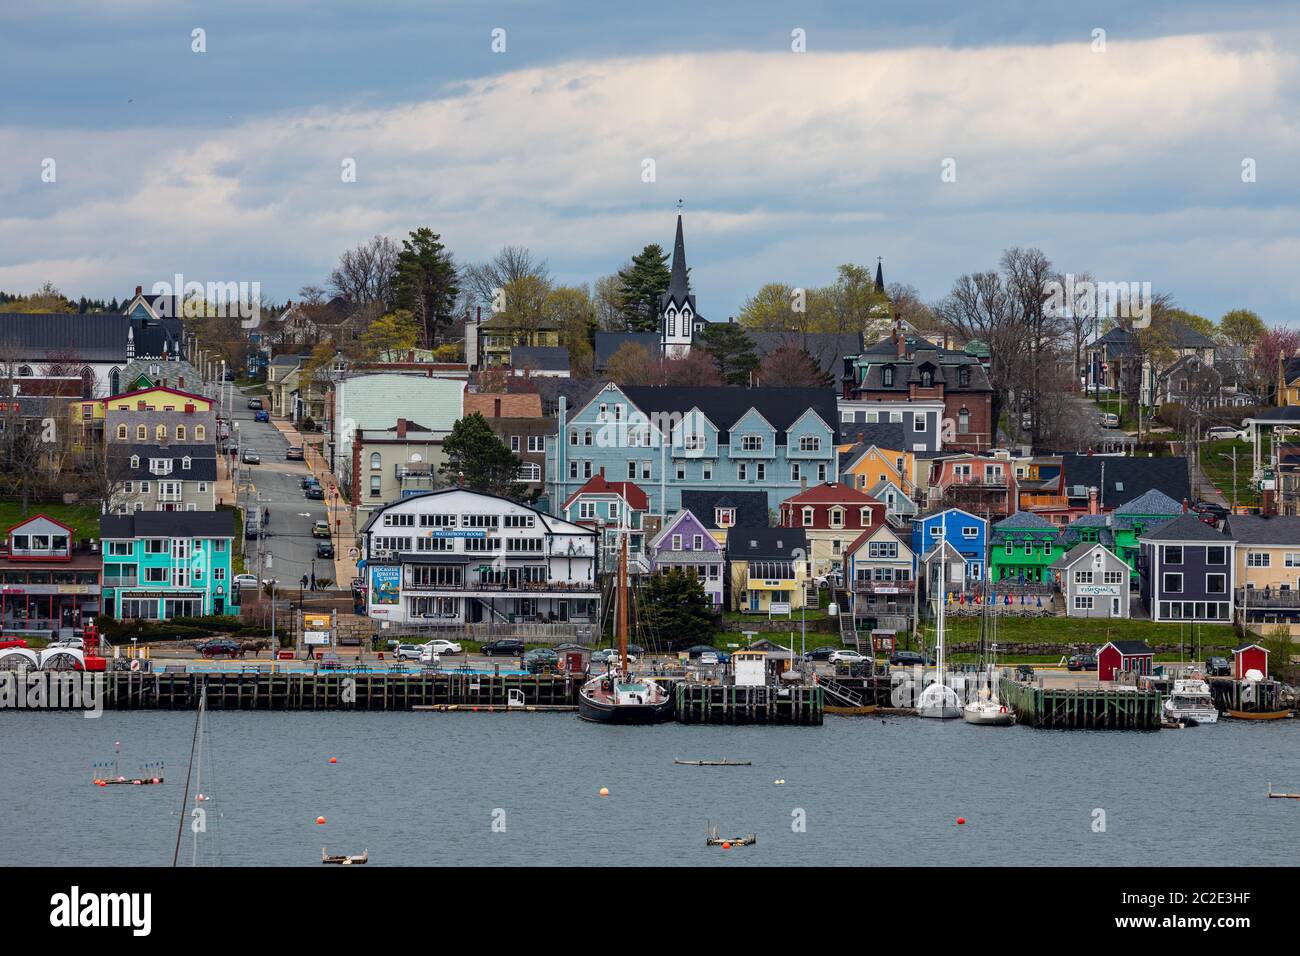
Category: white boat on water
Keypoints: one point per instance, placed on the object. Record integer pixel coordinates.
(939, 701)
(1191, 702)
(989, 711)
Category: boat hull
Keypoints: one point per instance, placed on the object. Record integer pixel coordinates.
(601, 712)
(1197, 715)
(988, 716)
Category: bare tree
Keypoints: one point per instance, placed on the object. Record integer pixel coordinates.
(479, 283)
(1026, 274)
(981, 307)
(364, 274)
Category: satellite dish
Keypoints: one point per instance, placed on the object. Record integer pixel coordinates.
(1254, 674)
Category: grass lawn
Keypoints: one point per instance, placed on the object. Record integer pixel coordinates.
(83, 519)
(1076, 630)
(1219, 469)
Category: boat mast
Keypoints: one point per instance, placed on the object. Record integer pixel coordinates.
(943, 596)
(622, 601)
(185, 797)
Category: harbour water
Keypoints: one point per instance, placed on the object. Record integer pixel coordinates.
(422, 788)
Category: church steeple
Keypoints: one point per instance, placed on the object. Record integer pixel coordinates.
(677, 285)
(677, 315)
(880, 274)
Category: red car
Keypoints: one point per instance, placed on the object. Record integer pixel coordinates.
(221, 647)
(7, 642)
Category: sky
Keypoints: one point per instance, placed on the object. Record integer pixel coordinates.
(1122, 158)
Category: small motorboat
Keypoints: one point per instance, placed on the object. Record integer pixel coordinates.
(1259, 715)
(1191, 704)
(714, 840)
(345, 859)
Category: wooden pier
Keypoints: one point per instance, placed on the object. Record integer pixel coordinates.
(334, 690)
(1087, 707)
(699, 703)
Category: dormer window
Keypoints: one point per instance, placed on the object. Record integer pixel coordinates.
(963, 377)
(185, 463)
(887, 376)
(927, 378)
(724, 517)
(135, 461)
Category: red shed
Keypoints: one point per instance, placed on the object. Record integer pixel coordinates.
(1249, 658)
(1118, 656)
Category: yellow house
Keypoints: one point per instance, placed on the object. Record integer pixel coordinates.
(157, 399)
(1288, 381)
(873, 464)
(159, 415)
(85, 423)
(769, 569)
(1266, 570)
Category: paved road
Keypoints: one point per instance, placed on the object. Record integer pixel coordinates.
(276, 483)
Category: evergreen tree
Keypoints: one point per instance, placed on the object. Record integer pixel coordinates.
(643, 281)
(425, 282)
(731, 349)
(676, 610)
(477, 459)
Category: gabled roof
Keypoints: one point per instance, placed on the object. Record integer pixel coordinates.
(750, 506)
(871, 532)
(864, 435)
(1187, 527)
(629, 491)
(679, 292)
(1078, 551)
(675, 522)
(154, 388)
(902, 503)
(1130, 648)
(44, 517)
(831, 494)
(1264, 529)
(34, 337)
(1024, 521)
(724, 405)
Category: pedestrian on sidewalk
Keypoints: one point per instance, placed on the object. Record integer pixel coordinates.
(313, 580)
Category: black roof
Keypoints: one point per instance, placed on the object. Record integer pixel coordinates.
(1263, 529)
(203, 461)
(890, 435)
(724, 405)
(607, 343)
(539, 357)
(827, 349)
(1186, 527)
(169, 524)
(89, 337)
(946, 365)
(769, 543)
(1132, 647)
(1126, 477)
(751, 506)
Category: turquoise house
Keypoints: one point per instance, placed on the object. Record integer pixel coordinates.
(164, 564)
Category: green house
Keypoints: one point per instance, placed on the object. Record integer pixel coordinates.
(1134, 518)
(164, 564)
(1023, 548)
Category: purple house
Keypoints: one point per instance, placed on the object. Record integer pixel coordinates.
(685, 543)
(1187, 571)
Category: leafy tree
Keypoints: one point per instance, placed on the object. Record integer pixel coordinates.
(676, 610)
(632, 365)
(574, 310)
(731, 350)
(511, 264)
(391, 336)
(479, 460)
(45, 299)
(694, 368)
(425, 282)
(770, 310)
(643, 280)
(1242, 328)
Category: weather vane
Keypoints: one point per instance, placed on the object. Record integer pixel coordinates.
(679, 205)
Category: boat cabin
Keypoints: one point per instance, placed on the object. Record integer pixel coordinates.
(1250, 662)
(1127, 656)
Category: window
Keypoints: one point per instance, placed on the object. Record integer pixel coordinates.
(1256, 559)
(697, 542)
(918, 422)
(837, 517)
(1216, 555)
(160, 433)
(156, 575)
(645, 469)
(821, 473)
(1082, 577)
(200, 433)
(927, 378)
(141, 433)
(530, 471)
(1083, 602)
(180, 432)
(1173, 583)
(1216, 584)
(963, 377)
(586, 469)
(706, 471)
(681, 472)
(970, 533)
(573, 437)
(963, 421)
(1113, 577)
(1292, 559)
(587, 437)
(135, 461)
(810, 443)
(376, 483)
(1011, 547)
(742, 472)
(155, 546)
(677, 542)
(631, 470)
(536, 443)
(119, 549)
(882, 549)
(807, 517)
(751, 443)
(724, 517)
(760, 471)
(121, 433)
(185, 463)
(376, 461)
(515, 443)
(794, 472)
(887, 376)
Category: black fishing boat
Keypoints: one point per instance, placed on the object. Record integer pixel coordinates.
(616, 697)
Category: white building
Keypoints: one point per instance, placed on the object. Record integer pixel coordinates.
(460, 557)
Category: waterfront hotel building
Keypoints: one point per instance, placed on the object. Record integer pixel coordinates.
(462, 557)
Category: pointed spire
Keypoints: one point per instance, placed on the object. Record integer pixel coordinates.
(677, 283)
(880, 275)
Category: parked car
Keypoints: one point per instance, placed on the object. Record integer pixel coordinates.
(1218, 667)
(68, 643)
(294, 453)
(408, 652)
(1219, 432)
(708, 659)
(1081, 662)
(325, 550)
(321, 529)
(1109, 420)
(429, 656)
(506, 647)
(314, 493)
(251, 457)
(1024, 672)
(255, 404)
(308, 481)
(221, 647)
(540, 659)
(1210, 508)
(261, 417)
(845, 655)
(329, 661)
(908, 659)
(610, 655)
(445, 647)
(820, 653)
(243, 581)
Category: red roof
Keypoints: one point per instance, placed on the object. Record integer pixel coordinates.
(863, 538)
(629, 491)
(828, 493)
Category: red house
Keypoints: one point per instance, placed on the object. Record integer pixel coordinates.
(1249, 658)
(1116, 656)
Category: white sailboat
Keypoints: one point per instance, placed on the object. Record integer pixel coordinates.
(940, 701)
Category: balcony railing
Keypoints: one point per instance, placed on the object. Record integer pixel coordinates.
(1267, 598)
(518, 587)
(1043, 501)
(111, 582)
(884, 587)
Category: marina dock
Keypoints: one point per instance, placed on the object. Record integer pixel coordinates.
(1086, 707)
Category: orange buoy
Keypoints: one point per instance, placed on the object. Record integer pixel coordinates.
(320, 821)
(604, 791)
(961, 821)
(726, 846)
(334, 759)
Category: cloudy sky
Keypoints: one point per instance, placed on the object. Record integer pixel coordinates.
(226, 165)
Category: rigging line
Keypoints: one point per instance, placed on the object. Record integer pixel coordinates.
(185, 797)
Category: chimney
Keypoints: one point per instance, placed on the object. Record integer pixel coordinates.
(1092, 501)
(602, 467)
(902, 346)
(496, 408)
(410, 355)
(861, 437)
(401, 428)
(139, 289)
(803, 484)
(1184, 506)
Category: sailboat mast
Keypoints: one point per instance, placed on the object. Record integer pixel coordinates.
(622, 601)
(943, 596)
